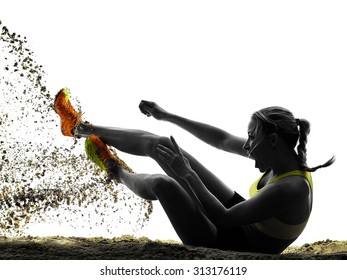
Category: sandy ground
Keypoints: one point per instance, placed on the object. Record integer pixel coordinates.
(129, 248)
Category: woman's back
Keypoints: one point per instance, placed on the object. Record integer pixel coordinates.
(276, 233)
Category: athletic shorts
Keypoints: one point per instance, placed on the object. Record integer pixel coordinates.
(233, 238)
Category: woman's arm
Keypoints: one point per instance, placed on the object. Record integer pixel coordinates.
(211, 135)
(265, 205)
(270, 203)
(180, 165)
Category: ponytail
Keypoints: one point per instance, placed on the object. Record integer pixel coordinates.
(304, 130)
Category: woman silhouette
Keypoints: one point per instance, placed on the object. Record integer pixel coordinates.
(201, 208)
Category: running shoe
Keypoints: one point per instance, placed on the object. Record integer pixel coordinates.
(98, 152)
(69, 118)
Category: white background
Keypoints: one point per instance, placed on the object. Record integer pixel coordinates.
(212, 61)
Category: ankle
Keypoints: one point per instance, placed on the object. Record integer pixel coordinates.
(113, 169)
(83, 129)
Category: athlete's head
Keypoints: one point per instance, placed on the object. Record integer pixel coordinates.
(282, 122)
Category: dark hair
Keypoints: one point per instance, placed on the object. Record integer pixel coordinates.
(282, 121)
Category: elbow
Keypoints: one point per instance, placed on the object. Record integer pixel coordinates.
(221, 219)
(229, 219)
(223, 144)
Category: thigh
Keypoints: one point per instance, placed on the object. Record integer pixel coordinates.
(185, 215)
(216, 186)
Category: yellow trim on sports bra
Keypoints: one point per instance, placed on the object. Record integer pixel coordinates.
(276, 229)
(254, 187)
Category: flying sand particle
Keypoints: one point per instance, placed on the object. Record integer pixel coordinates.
(41, 180)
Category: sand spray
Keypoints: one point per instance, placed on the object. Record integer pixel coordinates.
(46, 178)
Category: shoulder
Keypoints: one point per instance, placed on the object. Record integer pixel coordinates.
(291, 186)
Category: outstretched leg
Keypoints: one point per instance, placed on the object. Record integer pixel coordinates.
(135, 142)
(189, 222)
(143, 143)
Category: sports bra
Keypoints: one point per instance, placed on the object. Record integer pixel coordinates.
(273, 227)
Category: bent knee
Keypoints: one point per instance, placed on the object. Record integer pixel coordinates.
(154, 141)
(165, 141)
(161, 183)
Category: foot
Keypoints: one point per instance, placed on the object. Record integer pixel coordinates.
(69, 118)
(98, 152)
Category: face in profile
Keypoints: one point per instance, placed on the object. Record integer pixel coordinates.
(256, 146)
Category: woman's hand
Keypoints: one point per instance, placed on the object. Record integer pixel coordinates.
(175, 159)
(149, 108)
